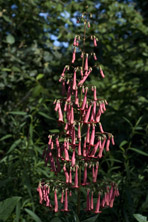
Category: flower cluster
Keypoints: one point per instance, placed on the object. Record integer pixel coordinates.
(77, 150)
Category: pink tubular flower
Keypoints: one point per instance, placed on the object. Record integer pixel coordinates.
(95, 149)
(88, 134)
(92, 136)
(107, 144)
(52, 146)
(84, 147)
(107, 200)
(73, 159)
(98, 115)
(72, 116)
(50, 139)
(74, 80)
(84, 99)
(112, 200)
(98, 205)
(103, 106)
(86, 63)
(57, 105)
(40, 193)
(66, 173)
(112, 139)
(65, 107)
(88, 24)
(79, 148)
(66, 201)
(70, 175)
(75, 41)
(62, 196)
(101, 128)
(85, 77)
(79, 131)
(81, 72)
(76, 97)
(63, 73)
(60, 113)
(95, 42)
(95, 93)
(66, 151)
(92, 118)
(103, 202)
(87, 114)
(55, 201)
(76, 185)
(94, 54)
(74, 55)
(88, 201)
(101, 72)
(92, 201)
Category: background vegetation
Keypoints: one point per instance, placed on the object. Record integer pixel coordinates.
(36, 40)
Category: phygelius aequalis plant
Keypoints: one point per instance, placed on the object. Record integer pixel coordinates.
(74, 154)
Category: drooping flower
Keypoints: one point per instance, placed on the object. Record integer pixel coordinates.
(95, 41)
(98, 204)
(55, 201)
(92, 201)
(76, 185)
(74, 80)
(92, 135)
(74, 55)
(101, 72)
(40, 193)
(86, 62)
(95, 57)
(87, 114)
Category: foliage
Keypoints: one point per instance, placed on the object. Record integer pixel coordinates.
(30, 66)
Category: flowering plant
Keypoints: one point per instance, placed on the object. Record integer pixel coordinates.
(76, 151)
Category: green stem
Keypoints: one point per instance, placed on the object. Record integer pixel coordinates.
(79, 178)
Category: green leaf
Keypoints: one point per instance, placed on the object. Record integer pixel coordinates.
(140, 218)
(18, 209)
(39, 76)
(45, 115)
(18, 113)
(138, 151)
(6, 70)
(10, 39)
(91, 219)
(123, 143)
(33, 215)
(6, 18)
(5, 137)
(12, 147)
(128, 122)
(56, 219)
(54, 131)
(7, 206)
